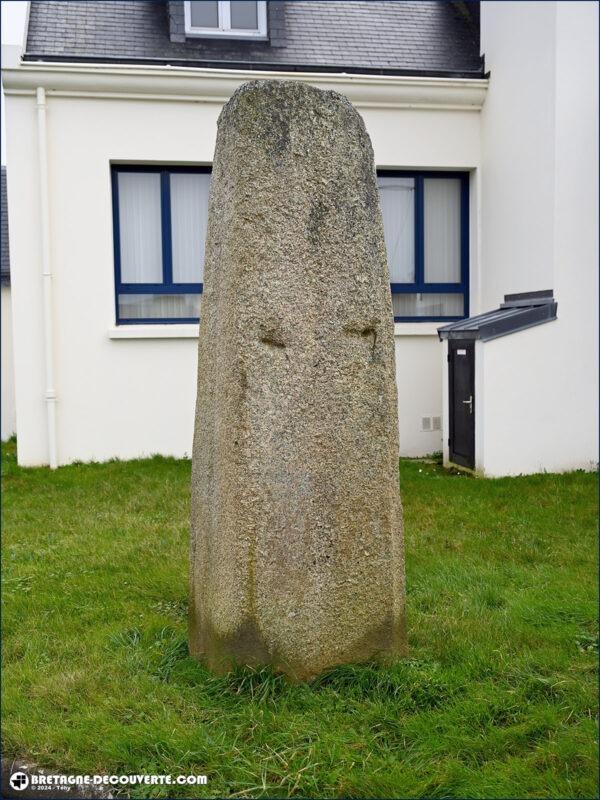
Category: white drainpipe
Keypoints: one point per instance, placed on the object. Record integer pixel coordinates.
(50, 392)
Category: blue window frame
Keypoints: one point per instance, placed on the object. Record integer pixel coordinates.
(432, 269)
(158, 254)
(160, 216)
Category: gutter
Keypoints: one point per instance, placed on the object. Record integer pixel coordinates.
(50, 391)
(258, 66)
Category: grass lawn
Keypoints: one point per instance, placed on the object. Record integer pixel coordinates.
(497, 699)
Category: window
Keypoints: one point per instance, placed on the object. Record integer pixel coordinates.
(239, 19)
(426, 227)
(160, 218)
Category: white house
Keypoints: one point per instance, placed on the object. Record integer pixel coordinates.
(484, 123)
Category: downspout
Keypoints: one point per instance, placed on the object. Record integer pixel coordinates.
(50, 392)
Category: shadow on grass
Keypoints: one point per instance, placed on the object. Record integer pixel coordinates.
(163, 653)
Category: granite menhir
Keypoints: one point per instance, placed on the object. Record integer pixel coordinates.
(297, 547)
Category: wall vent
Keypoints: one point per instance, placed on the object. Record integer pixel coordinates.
(436, 423)
(425, 423)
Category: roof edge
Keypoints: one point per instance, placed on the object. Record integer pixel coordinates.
(253, 65)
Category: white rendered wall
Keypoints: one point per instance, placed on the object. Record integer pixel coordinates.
(539, 213)
(515, 414)
(524, 429)
(9, 424)
(575, 347)
(518, 142)
(131, 397)
(419, 378)
(26, 282)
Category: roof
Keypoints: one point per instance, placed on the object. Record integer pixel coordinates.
(392, 37)
(519, 311)
(4, 252)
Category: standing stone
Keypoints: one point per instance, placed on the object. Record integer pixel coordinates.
(297, 553)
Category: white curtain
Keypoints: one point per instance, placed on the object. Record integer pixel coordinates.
(159, 306)
(140, 227)
(397, 201)
(428, 305)
(442, 230)
(189, 216)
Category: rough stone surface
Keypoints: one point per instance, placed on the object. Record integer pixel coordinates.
(297, 552)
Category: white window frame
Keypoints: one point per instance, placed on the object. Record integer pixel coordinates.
(225, 31)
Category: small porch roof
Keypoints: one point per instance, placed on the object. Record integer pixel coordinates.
(516, 313)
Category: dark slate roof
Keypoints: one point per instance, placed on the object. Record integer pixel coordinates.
(421, 37)
(517, 312)
(4, 253)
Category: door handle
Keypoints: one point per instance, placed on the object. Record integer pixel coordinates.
(469, 403)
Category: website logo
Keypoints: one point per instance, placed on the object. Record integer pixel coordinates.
(19, 781)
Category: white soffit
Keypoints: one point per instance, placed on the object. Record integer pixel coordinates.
(217, 85)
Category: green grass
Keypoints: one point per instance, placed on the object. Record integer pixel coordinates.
(497, 699)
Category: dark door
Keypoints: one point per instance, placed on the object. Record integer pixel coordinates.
(461, 375)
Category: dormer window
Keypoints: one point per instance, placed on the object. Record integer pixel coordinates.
(228, 19)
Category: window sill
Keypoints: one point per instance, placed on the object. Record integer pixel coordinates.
(153, 332)
(191, 331)
(417, 328)
(216, 34)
